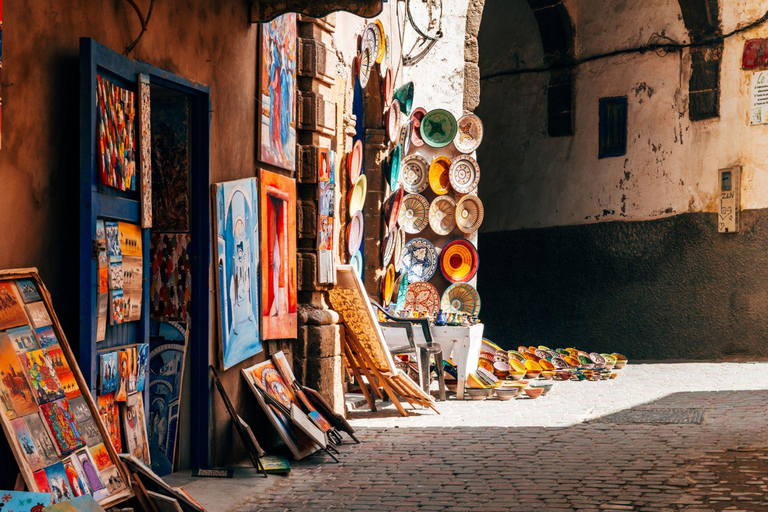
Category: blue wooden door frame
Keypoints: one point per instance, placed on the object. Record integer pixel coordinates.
(96, 59)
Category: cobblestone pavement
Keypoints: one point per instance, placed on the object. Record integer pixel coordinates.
(613, 445)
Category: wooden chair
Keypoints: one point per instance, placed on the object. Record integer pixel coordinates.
(422, 347)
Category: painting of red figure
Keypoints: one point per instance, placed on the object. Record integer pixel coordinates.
(278, 256)
(170, 290)
(277, 145)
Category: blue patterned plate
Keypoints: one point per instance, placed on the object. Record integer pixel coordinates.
(419, 260)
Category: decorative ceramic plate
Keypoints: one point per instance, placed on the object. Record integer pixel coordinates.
(542, 354)
(419, 260)
(386, 87)
(459, 261)
(469, 134)
(438, 128)
(469, 214)
(439, 171)
(516, 365)
(416, 116)
(395, 157)
(404, 139)
(357, 263)
(388, 284)
(414, 213)
(387, 53)
(464, 174)
(393, 121)
(391, 208)
(355, 233)
(355, 161)
(461, 298)
(399, 249)
(404, 94)
(415, 175)
(382, 39)
(357, 195)
(423, 298)
(366, 64)
(388, 248)
(371, 41)
(597, 358)
(442, 215)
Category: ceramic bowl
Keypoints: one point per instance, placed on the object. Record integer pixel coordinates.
(507, 393)
(530, 357)
(572, 361)
(533, 392)
(546, 365)
(515, 365)
(597, 358)
(475, 383)
(532, 374)
(614, 375)
(544, 347)
(581, 376)
(485, 364)
(563, 375)
(594, 376)
(559, 363)
(547, 374)
(620, 364)
(585, 360)
(517, 375)
(501, 369)
(542, 354)
(452, 385)
(514, 354)
(532, 365)
(479, 394)
(545, 386)
(522, 349)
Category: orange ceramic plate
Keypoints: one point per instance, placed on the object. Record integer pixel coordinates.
(572, 361)
(439, 180)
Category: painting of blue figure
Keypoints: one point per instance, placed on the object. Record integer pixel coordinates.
(142, 355)
(237, 269)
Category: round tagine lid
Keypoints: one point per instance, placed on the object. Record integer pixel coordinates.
(388, 284)
(355, 161)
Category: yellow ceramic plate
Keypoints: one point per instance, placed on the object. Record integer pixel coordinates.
(439, 171)
(357, 195)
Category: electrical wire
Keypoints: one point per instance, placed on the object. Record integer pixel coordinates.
(660, 44)
(144, 24)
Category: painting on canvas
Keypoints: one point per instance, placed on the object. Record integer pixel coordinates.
(116, 135)
(277, 144)
(23, 339)
(237, 269)
(17, 501)
(69, 385)
(38, 314)
(42, 377)
(63, 425)
(142, 362)
(170, 163)
(88, 467)
(46, 337)
(29, 291)
(278, 256)
(145, 151)
(16, 394)
(123, 369)
(75, 480)
(58, 483)
(28, 447)
(107, 373)
(134, 428)
(42, 437)
(59, 362)
(110, 415)
(170, 289)
(11, 311)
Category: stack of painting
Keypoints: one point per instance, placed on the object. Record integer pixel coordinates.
(46, 412)
(124, 278)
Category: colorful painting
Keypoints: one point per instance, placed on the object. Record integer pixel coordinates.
(100, 456)
(60, 364)
(112, 232)
(103, 276)
(38, 314)
(28, 447)
(116, 275)
(278, 256)
(111, 477)
(11, 312)
(90, 432)
(134, 428)
(86, 503)
(69, 385)
(123, 370)
(41, 482)
(284, 368)
(237, 269)
(42, 438)
(42, 377)
(168, 345)
(170, 163)
(101, 238)
(131, 386)
(116, 111)
(16, 501)
(145, 151)
(46, 337)
(110, 416)
(133, 269)
(16, 395)
(29, 291)
(59, 483)
(108, 376)
(142, 361)
(277, 144)
(130, 239)
(74, 479)
(23, 339)
(170, 289)
(88, 468)
(116, 307)
(102, 308)
(63, 425)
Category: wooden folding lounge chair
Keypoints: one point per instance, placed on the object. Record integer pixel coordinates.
(365, 350)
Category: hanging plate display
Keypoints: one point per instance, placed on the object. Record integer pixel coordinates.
(439, 175)
(371, 41)
(388, 248)
(438, 127)
(355, 161)
(416, 116)
(415, 174)
(386, 87)
(391, 208)
(357, 263)
(442, 215)
(357, 195)
(405, 137)
(469, 214)
(395, 157)
(419, 260)
(422, 297)
(388, 284)
(461, 298)
(458, 261)
(393, 121)
(366, 64)
(469, 134)
(382, 50)
(355, 233)
(414, 213)
(404, 94)
(399, 249)
(464, 174)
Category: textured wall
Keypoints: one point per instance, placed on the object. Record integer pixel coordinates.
(665, 289)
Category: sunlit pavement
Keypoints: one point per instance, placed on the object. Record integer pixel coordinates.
(660, 437)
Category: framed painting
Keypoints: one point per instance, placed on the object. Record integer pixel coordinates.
(278, 256)
(277, 137)
(236, 206)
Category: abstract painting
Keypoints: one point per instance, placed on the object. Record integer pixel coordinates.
(29, 291)
(63, 425)
(11, 311)
(116, 138)
(237, 269)
(168, 345)
(170, 163)
(16, 396)
(23, 339)
(134, 428)
(277, 145)
(278, 256)
(16, 501)
(110, 416)
(170, 289)
(38, 314)
(42, 377)
(145, 151)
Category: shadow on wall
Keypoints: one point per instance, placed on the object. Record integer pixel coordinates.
(666, 289)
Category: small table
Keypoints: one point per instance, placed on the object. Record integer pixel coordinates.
(462, 344)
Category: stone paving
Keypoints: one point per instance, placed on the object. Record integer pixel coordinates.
(569, 450)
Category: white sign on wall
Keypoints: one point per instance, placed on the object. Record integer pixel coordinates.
(758, 110)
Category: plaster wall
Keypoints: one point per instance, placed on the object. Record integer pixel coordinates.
(531, 180)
